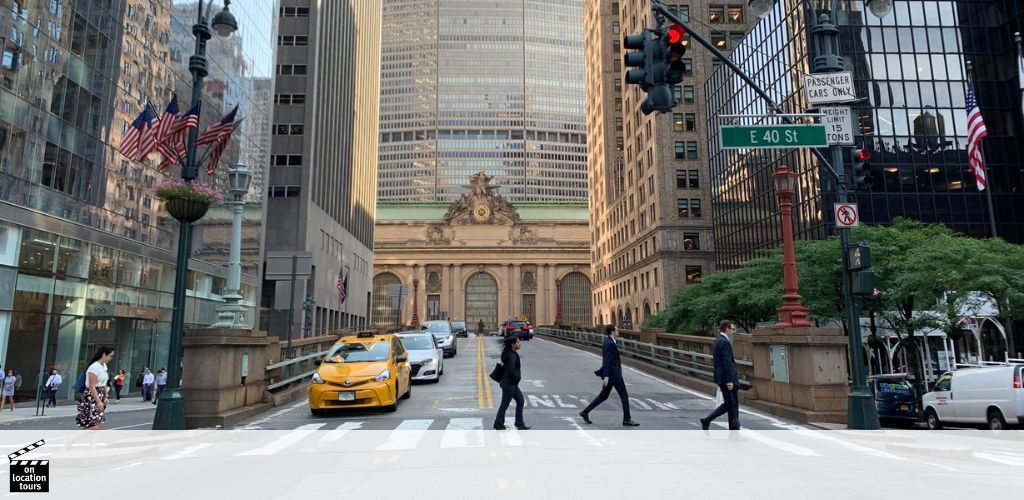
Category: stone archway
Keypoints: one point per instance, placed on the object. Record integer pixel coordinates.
(383, 313)
(576, 299)
(627, 319)
(481, 302)
(647, 312)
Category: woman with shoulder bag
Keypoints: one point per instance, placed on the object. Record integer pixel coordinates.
(93, 404)
(510, 385)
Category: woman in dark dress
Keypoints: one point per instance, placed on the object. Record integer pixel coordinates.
(510, 385)
(93, 404)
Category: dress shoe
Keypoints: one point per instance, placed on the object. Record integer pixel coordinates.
(523, 427)
(585, 417)
(500, 427)
(630, 423)
(705, 424)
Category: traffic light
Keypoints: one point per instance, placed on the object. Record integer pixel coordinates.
(647, 51)
(862, 175)
(674, 49)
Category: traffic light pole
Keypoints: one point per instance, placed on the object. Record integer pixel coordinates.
(861, 411)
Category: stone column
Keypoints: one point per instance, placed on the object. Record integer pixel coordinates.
(517, 290)
(459, 296)
(544, 316)
(224, 375)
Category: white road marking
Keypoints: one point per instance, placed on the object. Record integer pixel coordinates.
(538, 384)
(946, 467)
(340, 431)
(582, 433)
(639, 404)
(1002, 458)
(125, 466)
(774, 443)
(130, 426)
(558, 400)
(771, 420)
(188, 451)
(294, 436)
(538, 401)
(823, 435)
(407, 435)
(660, 405)
(463, 433)
(510, 437)
(254, 424)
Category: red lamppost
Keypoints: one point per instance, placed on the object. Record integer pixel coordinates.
(558, 301)
(792, 313)
(415, 302)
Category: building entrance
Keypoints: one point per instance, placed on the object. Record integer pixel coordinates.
(481, 302)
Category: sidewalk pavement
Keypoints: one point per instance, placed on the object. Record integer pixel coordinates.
(26, 410)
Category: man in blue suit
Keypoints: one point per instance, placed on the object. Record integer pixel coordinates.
(611, 376)
(726, 377)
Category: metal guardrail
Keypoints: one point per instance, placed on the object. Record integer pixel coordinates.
(686, 362)
(305, 365)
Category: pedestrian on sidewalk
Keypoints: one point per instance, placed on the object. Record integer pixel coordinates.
(118, 385)
(8, 389)
(726, 377)
(510, 385)
(147, 384)
(611, 376)
(52, 384)
(93, 404)
(161, 383)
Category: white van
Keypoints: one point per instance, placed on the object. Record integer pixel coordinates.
(990, 395)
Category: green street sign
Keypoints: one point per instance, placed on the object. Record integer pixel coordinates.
(773, 136)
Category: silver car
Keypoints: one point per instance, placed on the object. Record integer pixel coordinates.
(425, 357)
(443, 333)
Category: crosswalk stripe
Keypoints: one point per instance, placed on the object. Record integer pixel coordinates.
(582, 433)
(298, 434)
(1002, 458)
(188, 451)
(510, 437)
(660, 405)
(775, 443)
(407, 435)
(463, 433)
(340, 431)
(846, 444)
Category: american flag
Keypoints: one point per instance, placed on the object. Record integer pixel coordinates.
(976, 131)
(223, 127)
(172, 146)
(150, 136)
(342, 286)
(130, 143)
(218, 148)
(168, 119)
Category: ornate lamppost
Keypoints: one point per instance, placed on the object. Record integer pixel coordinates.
(170, 410)
(558, 301)
(791, 313)
(415, 302)
(232, 314)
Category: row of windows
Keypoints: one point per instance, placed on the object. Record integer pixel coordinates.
(289, 129)
(293, 40)
(719, 14)
(686, 150)
(283, 191)
(289, 99)
(687, 179)
(684, 122)
(291, 69)
(688, 208)
(294, 11)
(286, 160)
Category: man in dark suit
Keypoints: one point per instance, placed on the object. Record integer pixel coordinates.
(726, 377)
(611, 376)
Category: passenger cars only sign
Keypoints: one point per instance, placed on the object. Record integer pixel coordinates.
(824, 88)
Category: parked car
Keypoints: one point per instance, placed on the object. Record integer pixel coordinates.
(990, 395)
(443, 333)
(426, 358)
(895, 399)
(460, 328)
(517, 327)
(360, 371)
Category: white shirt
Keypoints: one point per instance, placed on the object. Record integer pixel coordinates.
(726, 335)
(54, 380)
(100, 370)
(147, 379)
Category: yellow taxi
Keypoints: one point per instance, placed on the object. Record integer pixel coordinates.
(361, 371)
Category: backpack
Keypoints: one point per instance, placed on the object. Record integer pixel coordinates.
(138, 381)
(80, 383)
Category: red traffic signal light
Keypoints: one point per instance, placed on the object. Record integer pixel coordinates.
(675, 34)
(862, 155)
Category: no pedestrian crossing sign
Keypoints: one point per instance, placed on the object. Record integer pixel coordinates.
(846, 215)
(773, 136)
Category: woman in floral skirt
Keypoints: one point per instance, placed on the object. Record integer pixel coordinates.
(94, 400)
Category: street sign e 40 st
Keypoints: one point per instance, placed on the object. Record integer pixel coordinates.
(773, 136)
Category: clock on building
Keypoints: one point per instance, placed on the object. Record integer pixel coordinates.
(481, 213)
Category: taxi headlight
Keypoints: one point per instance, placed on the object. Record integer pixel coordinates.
(317, 379)
(384, 375)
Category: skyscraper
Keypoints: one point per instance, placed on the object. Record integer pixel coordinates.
(321, 192)
(652, 231)
(470, 86)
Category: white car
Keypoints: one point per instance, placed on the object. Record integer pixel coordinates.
(991, 395)
(426, 358)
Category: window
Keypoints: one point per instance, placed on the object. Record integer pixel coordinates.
(615, 27)
(618, 104)
(682, 207)
(287, 99)
(680, 150)
(720, 40)
(289, 129)
(693, 176)
(684, 13)
(283, 191)
(292, 40)
(677, 122)
(694, 208)
(618, 84)
(691, 122)
(691, 241)
(735, 13)
(655, 276)
(291, 69)
(294, 11)
(618, 123)
(691, 150)
(716, 13)
(616, 65)
(689, 66)
(680, 179)
(618, 144)
(688, 94)
(616, 46)
(287, 160)
(736, 39)
(693, 274)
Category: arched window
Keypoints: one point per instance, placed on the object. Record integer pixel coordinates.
(384, 314)
(575, 297)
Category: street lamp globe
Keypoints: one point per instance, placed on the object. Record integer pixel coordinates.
(224, 22)
(880, 8)
(239, 178)
(785, 181)
(761, 8)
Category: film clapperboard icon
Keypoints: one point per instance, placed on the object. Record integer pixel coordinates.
(29, 475)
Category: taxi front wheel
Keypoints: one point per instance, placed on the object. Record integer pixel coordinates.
(407, 393)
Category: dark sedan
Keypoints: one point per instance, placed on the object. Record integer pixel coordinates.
(894, 399)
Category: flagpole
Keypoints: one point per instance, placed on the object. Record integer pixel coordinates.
(988, 178)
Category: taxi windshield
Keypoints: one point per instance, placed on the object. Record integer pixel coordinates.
(358, 353)
(418, 342)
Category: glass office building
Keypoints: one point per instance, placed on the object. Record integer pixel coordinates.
(86, 251)
(469, 86)
(912, 68)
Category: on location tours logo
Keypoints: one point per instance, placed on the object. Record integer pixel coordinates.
(29, 476)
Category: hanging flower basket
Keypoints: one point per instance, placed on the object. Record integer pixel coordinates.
(187, 201)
